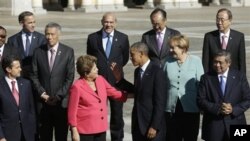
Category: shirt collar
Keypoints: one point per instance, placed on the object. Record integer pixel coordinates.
(225, 74)
(105, 34)
(9, 80)
(55, 47)
(163, 31)
(145, 65)
(227, 34)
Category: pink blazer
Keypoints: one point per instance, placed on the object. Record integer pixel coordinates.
(87, 110)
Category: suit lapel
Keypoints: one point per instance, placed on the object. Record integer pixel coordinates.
(229, 43)
(7, 89)
(99, 42)
(154, 42)
(21, 91)
(165, 46)
(229, 83)
(216, 83)
(58, 57)
(89, 90)
(20, 43)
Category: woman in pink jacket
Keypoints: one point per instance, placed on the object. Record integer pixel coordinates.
(87, 108)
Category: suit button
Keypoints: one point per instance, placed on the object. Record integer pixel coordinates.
(102, 118)
(101, 110)
(19, 111)
(100, 101)
(178, 76)
(178, 82)
(177, 88)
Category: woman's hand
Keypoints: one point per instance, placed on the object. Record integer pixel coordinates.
(75, 134)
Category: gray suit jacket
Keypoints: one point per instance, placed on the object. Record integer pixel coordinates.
(58, 81)
(149, 38)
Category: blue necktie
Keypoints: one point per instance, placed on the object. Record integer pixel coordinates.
(27, 47)
(222, 84)
(108, 46)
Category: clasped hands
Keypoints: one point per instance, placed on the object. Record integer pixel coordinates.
(50, 100)
(226, 108)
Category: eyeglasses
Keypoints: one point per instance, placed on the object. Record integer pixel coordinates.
(221, 20)
(2, 36)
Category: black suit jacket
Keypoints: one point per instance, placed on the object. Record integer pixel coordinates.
(8, 50)
(119, 52)
(12, 115)
(149, 38)
(210, 99)
(150, 95)
(235, 45)
(58, 81)
(16, 42)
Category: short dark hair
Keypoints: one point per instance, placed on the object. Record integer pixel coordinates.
(8, 60)
(23, 15)
(84, 64)
(224, 53)
(229, 13)
(140, 47)
(163, 13)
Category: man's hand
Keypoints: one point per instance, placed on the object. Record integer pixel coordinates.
(151, 133)
(226, 108)
(117, 71)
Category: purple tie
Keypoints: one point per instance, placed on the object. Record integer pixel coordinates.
(159, 41)
(223, 42)
(52, 58)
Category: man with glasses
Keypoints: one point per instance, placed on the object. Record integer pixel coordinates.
(224, 38)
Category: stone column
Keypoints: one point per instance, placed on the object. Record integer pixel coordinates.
(215, 2)
(119, 6)
(70, 6)
(87, 6)
(234, 3)
(168, 4)
(105, 5)
(37, 6)
(149, 4)
(246, 2)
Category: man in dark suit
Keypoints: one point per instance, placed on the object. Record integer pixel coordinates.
(157, 38)
(53, 73)
(226, 39)
(17, 114)
(109, 45)
(5, 49)
(25, 41)
(150, 93)
(224, 96)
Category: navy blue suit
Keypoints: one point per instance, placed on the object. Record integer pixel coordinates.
(215, 126)
(17, 120)
(16, 42)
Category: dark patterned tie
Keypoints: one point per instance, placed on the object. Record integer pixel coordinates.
(27, 44)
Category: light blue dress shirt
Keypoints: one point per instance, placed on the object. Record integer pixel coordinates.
(184, 81)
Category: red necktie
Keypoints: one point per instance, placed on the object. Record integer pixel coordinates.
(15, 92)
